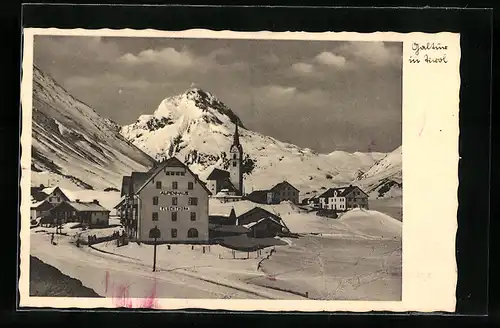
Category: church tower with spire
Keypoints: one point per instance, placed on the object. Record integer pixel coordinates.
(236, 159)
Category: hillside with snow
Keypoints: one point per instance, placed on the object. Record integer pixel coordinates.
(384, 179)
(198, 128)
(73, 146)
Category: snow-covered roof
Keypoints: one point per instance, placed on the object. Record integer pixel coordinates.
(251, 224)
(38, 204)
(88, 207)
(218, 174)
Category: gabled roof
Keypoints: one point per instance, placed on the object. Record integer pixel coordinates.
(218, 175)
(258, 196)
(252, 224)
(125, 185)
(171, 162)
(228, 228)
(83, 206)
(90, 207)
(267, 214)
(66, 193)
(283, 184)
(38, 194)
(43, 205)
(227, 184)
(259, 193)
(341, 192)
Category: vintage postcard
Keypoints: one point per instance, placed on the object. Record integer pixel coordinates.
(239, 171)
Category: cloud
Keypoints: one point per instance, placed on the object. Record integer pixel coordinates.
(288, 97)
(376, 53)
(166, 56)
(71, 47)
(330, 59)
(303, 68)
(270, 59)
(107, 79)
(179, 61)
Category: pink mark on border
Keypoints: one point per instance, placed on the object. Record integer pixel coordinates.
(121, 297)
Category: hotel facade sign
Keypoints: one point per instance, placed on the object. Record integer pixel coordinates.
(174, 208)
(175, 193)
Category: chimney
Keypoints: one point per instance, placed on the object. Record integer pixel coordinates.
(95, 201)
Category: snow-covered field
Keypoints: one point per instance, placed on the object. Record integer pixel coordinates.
(390, 206)
(353, 224)
(355, 257)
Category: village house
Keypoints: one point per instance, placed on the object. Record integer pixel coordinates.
(283, 191)
(43, 199)
(261, 197)
(169, 197)
(55, 195)
(259, 220)
(230, 182)
(87, 213)
(40, 209)
(343, 199)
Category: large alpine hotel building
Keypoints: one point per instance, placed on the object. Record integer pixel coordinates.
(173, 199)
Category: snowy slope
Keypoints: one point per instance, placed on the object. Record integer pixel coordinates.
(384, 179)
(72, 145)
(198, 128)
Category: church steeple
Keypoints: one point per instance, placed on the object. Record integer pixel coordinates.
(236, 137)
(236, 157)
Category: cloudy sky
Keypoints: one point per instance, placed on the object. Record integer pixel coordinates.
(325, 95)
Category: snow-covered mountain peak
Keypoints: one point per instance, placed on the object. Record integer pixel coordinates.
(198, 128)
(194, 104)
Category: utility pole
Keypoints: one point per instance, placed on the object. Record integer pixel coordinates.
(155, 234)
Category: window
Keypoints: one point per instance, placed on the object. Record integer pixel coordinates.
(158, 184)
(167, 173)
(173, 233)
(234, 156)
(174, 185)
(190, 186)
(155, 216)
(155, 200)
(177, 173)
(183, 173)
(193, 216)
(192, 233)
(174, 216)
(174, 200)
(193, 201)
(234, 164)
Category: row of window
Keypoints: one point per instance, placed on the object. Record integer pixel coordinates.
(192, 233)
(191, 201)
(175, 185)
(288, 194)
(173, 216)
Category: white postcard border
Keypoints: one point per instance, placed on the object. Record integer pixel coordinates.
(430, 175)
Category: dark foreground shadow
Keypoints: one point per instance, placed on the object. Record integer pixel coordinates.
(46, 280)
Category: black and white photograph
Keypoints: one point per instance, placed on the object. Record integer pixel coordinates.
(215, 168)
